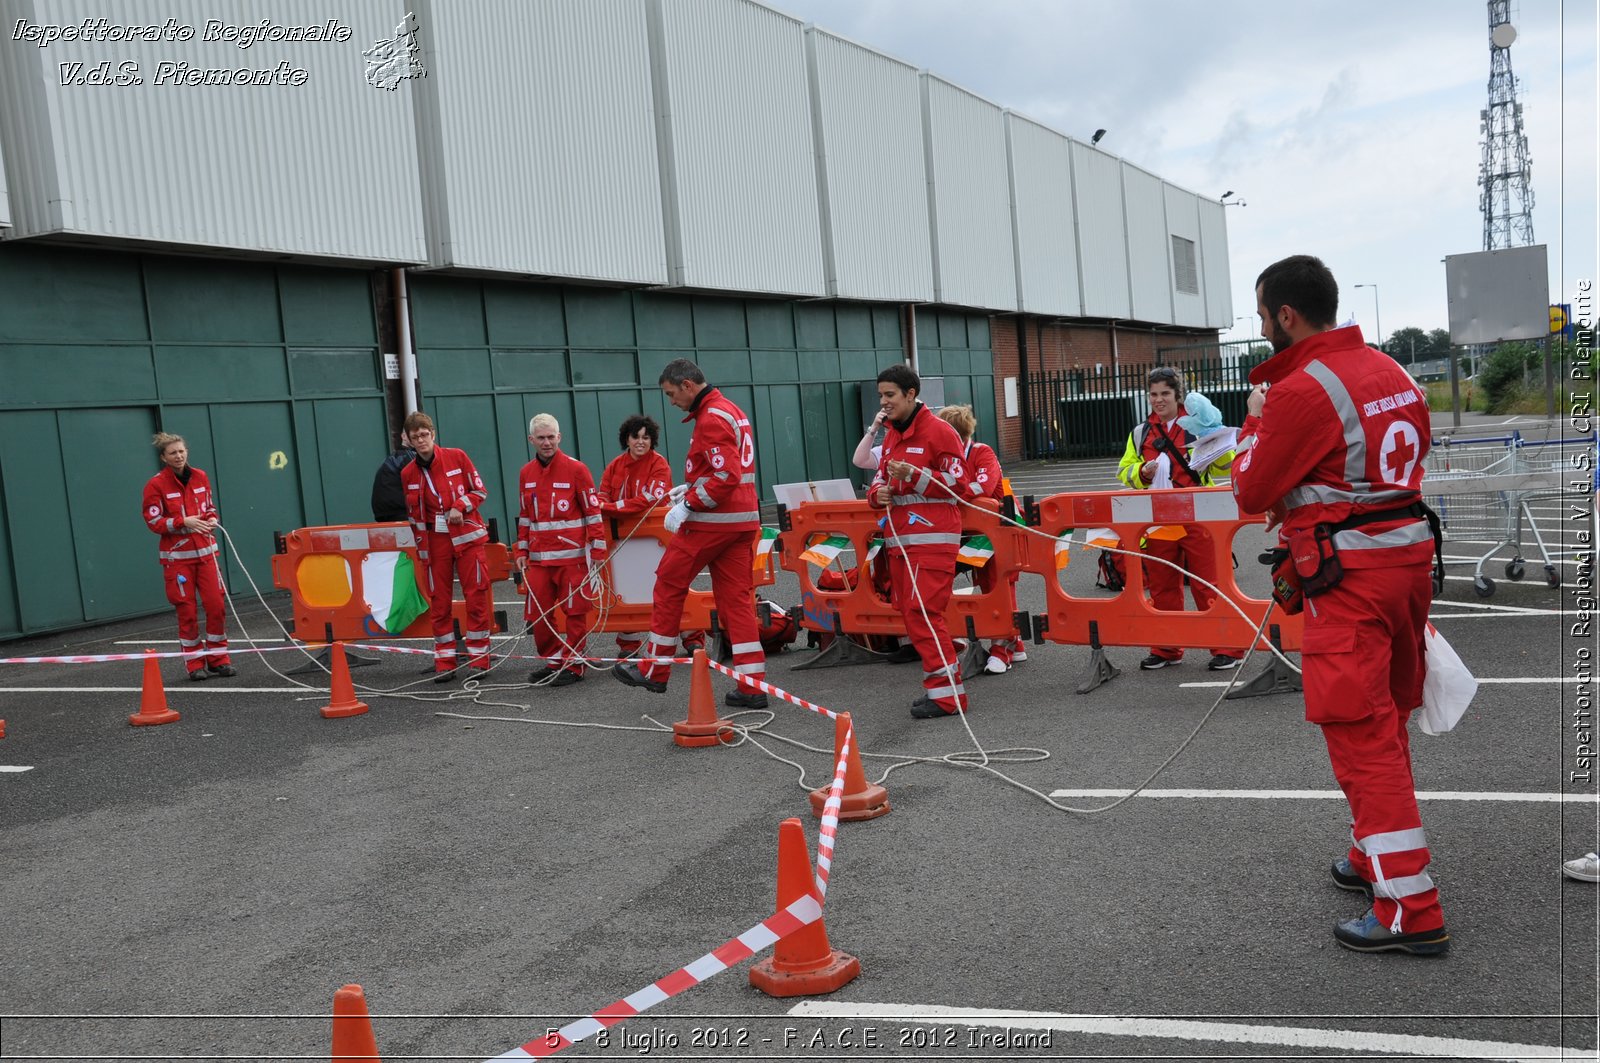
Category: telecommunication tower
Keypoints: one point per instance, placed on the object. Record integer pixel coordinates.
(1506, 200)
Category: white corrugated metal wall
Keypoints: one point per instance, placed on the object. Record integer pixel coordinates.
(541, 155)
(1042, 218)
(738, 163)
(1183, 220)
(871, 171)
(969, 198)
(1149, 271)
(1214, 277)
(326, 167)
(5, 198)
(1102, 239)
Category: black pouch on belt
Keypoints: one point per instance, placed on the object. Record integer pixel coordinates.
(1285, 582)
(1315, 559)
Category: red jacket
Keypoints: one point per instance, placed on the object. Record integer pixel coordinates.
(448, 482)
(983, 467)
(629, 485)
(559, 513)
(1343, 432)
(721, 466)
(924, 514)
(167, 500)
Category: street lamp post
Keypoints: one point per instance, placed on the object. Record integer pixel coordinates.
(1376, 314)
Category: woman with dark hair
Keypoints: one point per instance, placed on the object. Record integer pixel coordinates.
(635, 480)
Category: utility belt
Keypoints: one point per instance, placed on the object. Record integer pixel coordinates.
(1308, 564)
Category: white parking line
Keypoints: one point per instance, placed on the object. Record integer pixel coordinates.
(1338, 795)
(185, 689)
(1481, 681)
(15, 767)
(1354, 1042)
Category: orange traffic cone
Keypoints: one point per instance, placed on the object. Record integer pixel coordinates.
(703, 724)
(341, 694)
(352, 1029)
(861, 800)
(153, 699)
(2, 728)
(802, 964)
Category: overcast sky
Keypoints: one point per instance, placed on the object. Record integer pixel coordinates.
(1350, 129)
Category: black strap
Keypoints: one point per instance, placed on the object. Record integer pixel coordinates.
(1164, 443)
(1418, 510)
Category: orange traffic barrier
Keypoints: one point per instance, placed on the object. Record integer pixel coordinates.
(2, 728)
(1130, 618)
(341, 693)
(703, 725)
(327, 572)
(352, 1027)
(818, 528)
(861, 799)
(153, 698)
(802, 964)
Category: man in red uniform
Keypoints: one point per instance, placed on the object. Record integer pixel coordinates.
(444, 502)
(179, 507)
(636, 479)
(918, 480)
(1334, 453)
(559, 539)
(1188, 546)
(985, 479)
(720, 518)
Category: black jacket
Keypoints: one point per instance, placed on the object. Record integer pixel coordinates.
(388, 498)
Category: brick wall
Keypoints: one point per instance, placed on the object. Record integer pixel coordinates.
(1054, 347)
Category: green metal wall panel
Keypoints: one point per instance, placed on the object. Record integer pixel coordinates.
(666, 320)
(886, 328)
(332, 371)
(468, 422)
(524, 370)
(598, 317)
(719, 323)
(110, 539)
(771, 324)
(725, 366)
(854, 325)
(350, 445)
(327, 307)
(446, 312)
(524, 316)
(593, 368)
(103, 301)
(190, 374)
(454, 372)
(10, 615)
(46, 572)
(75, 374)
(193, 300)
(777, 365)
(814, 327)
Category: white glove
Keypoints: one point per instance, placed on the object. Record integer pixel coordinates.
(677, 493)
(676, 516)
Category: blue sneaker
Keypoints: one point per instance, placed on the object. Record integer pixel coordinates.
(1366, 934)
(1346, 877)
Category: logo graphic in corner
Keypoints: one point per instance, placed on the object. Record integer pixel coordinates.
(396, 59)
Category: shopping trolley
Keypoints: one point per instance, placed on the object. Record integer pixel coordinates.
(1487, 490)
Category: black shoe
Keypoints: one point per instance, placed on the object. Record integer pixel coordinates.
(1154, 661)
(1222, 663)
(738, 699)
(427, 670)
(539, 675)
(566, 679)
(222, 671)
(630, 675)
(1346, 877)
(1366, 934)
(904, 655)
(927, 709)
(446, 676)
(198, 676)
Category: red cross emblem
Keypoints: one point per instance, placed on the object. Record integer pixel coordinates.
(1400, 452)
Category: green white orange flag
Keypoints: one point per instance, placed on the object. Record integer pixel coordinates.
(764, 547)
(824, 553)
(390, 582)
(976, 551)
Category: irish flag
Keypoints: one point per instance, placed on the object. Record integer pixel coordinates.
(1062, 557)
(390, 582)
(823, 554)
(764, 548)
(976, 551)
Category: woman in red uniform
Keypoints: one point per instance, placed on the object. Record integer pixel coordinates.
(635, 480)
(179, 507)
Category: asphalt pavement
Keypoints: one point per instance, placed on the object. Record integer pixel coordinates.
(489, 865)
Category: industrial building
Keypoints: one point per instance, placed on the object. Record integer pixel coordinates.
(273, 232)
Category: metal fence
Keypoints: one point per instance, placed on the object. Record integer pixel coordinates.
(1084, 413)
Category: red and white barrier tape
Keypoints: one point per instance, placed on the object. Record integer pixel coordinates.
(768, 688)
(803, 912)
(101, 658)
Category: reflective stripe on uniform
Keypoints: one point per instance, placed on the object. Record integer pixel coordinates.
(700, 517)
(470, 537)
(705, 499)
(936, 693)
(750, 669)
(921, 500)
(475, 635)
(1394, 841)
(444, 640)
(1323, 494)
(924, 480)
(1355, 440)
(554, 555)
(187, 555)
(747, 647)
(550, 525)
(1404, 886)
(1409, 535)
(925, 539)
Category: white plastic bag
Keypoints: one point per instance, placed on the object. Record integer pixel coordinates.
(1448, 689)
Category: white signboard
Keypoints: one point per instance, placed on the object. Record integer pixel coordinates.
(791, 496)
(1498, 295)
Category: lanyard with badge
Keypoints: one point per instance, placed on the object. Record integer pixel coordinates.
(441, 521)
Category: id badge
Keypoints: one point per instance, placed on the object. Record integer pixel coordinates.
(441, 524)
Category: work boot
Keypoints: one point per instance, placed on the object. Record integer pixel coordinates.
(1155, 660)
(446, 676)
(1346, 877)
(630, 675)
(198, 676)
(904, 655)
(541, 673)
(221, 671)
(1366, 934)
(566, 678)
(925, 708)
(738, 699)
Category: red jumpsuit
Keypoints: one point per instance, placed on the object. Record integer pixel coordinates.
(559, 533)
(724, 522)
(988, 481)
(449, 481)
(630, 485)
(922, 538)
(1343, 433)
(189, 562)
(1194, 550)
